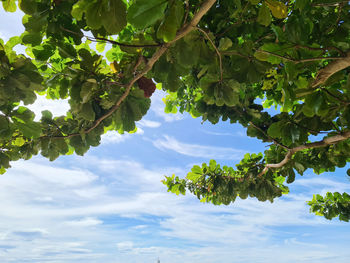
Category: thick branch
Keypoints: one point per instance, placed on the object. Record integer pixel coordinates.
(326, 141)
(331, 69)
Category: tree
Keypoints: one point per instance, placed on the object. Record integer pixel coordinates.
(217, 59)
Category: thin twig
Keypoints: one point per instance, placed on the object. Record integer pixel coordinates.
(125, 44)
(102, 39)
(216, 49)
(306, 128)
(235, 53)
(272, 139)
(325, 142)
(299, 60)
(341, 52)
(187, 11)
(336, 97)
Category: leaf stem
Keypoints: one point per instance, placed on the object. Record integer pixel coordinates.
(216, 50)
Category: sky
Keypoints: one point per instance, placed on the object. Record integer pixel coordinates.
(110, 205)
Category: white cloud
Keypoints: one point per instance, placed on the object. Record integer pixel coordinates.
(56, 107)
(125, 246)
(233, 134)
(115, 137)
(66, 224)
(322, 184)
(196, 150)
(53, 175)
(149, 123)
(85, 222)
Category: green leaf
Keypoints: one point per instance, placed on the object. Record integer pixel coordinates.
(79, 145)
(264, 16)
(87, 89)
(224, 44)
(274, 130)
(291, 177)
(113, 16)
(28, 6)
(193, 177)
(300, 4)
(46, 115)
(4, 123)
(19, 141)
(172, 22)
(278, 9)
(79, 8)
(87, 112)
(100, 46)
(43, 52)
(13, 41)
(299, 167)
(143, 13)
(30, 130)
(31, 38)
(9, 5)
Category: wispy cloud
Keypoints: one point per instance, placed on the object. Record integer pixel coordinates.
(51, 207)
(149, 124)
(322, 184)
(88, 221)
(233, 134)
(196, 150)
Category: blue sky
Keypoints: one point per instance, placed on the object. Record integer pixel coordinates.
(110, 206)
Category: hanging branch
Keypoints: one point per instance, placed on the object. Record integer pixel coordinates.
(325, 142)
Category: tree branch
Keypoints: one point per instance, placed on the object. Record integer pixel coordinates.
(121, 44)
(325, 142)
(331, 4)
(186, 29)
(270, 138)
(102, 39)
(330, 69)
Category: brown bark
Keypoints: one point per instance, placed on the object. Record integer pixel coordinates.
(326, 141)
(330, 69)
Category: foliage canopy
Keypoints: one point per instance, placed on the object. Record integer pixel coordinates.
(217, 59)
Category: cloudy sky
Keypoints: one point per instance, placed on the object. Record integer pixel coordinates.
(110, 206)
